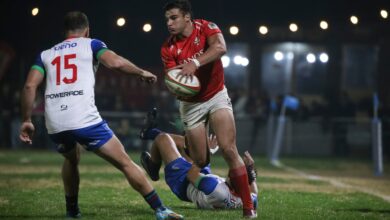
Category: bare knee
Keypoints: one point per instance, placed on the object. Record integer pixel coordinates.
(162, 138)
(72, 162)
(201, 162)
(72, 158)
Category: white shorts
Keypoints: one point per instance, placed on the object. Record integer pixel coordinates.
(194, 113)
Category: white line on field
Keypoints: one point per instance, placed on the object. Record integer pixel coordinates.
(334, 182)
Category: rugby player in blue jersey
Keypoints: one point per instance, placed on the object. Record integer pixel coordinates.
(71, 116)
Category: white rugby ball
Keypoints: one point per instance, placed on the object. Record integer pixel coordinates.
(184, 87)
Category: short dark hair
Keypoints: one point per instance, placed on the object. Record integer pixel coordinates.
(75, 20)
(182, 5)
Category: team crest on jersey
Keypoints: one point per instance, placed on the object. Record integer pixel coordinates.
(179, 51)
(212, 25)
(196, 41)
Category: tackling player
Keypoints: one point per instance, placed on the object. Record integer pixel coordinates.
(187, 181)
(71, 115)
(196, 47)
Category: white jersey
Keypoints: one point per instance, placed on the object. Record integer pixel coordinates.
(69, 68)
(220, 198)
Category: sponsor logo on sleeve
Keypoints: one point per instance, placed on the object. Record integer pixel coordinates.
(212, 25)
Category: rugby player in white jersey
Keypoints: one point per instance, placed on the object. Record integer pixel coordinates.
(187, 181)
(71, 115)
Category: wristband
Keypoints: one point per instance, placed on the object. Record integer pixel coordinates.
(197, 181)
(197, 63)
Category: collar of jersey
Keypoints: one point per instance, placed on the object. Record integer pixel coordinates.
(71, 37)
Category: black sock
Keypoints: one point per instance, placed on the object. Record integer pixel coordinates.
(72, 204)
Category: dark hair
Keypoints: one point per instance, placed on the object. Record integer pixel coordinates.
(75, 20)
(183, 5)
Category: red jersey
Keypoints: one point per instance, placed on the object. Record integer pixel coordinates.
(178, 51)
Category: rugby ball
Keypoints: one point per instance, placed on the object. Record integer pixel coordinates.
(182, 86)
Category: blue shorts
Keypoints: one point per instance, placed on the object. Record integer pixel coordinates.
(175, 176)
(93, 137)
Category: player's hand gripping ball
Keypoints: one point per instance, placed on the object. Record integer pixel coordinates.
(182, 86)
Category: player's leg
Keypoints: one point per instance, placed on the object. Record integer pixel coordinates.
(67, 146)
(165, 146)
(164, 149)
(114, 152)
(197, 145)
(222, 122)
(100, 139)
(71, 179)
(194, 117)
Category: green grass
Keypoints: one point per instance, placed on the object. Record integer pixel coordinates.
(31, 188)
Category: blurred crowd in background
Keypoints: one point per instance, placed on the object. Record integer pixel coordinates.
(123, 101)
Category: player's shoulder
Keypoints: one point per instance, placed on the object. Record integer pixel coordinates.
(168, 45)
(202, 23)
(168, 42)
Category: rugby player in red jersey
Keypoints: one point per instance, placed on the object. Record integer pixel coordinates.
(196, 47)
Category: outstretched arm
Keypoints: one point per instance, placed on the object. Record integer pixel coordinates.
(118, 63)
(34, 79)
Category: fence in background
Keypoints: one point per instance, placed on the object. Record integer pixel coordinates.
(312, 137)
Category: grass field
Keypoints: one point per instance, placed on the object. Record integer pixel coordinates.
(320, 188)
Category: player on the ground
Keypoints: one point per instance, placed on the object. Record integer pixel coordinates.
(187, 181)
(196, 47)
(71, 115)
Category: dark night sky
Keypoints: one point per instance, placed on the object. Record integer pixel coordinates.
(28, 35)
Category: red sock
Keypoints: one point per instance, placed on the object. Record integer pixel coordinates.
(239, 179)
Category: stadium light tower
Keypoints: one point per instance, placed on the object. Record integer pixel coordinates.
(278, 56)
(293, 27)
(225, 61)
(234, 30)
(263, 29)
(324, 25)
(147, 27)
(384, 14)
(120, 21)
(35, 11)
(354, 19)
(311, 58)
(324, 57)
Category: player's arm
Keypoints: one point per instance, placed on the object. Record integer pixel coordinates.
(216, 49)
(167, 58)
(204, 183)
(34, 79)
(250, 167)
(118, 63)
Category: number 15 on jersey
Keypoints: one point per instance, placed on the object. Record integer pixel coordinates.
(67, 65)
